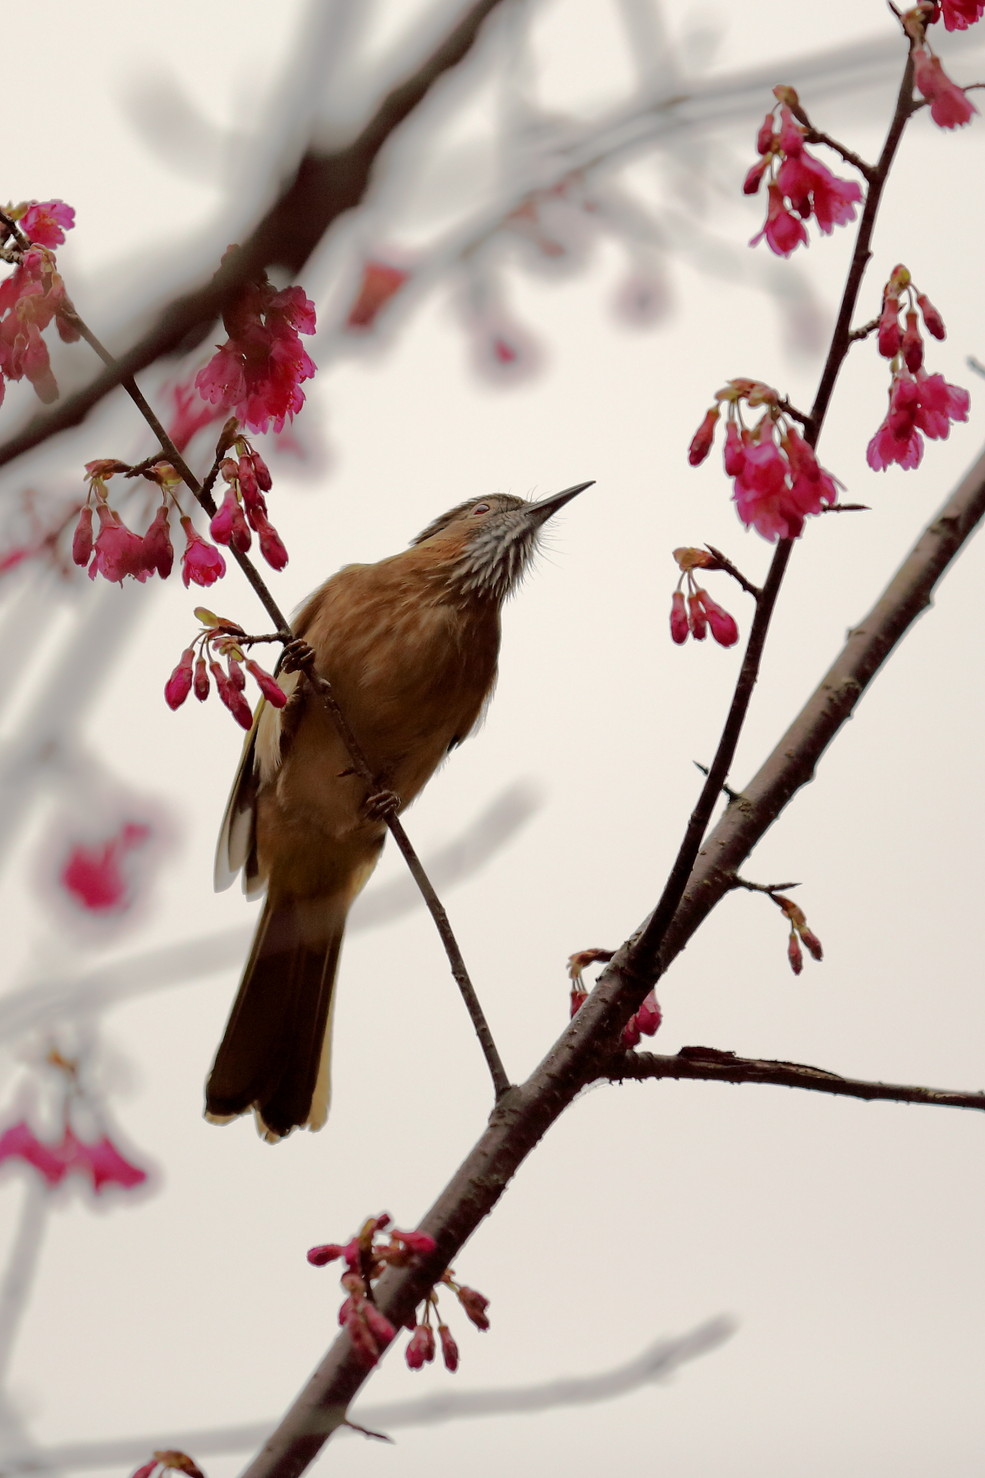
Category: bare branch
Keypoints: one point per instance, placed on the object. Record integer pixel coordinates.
(709, 1064)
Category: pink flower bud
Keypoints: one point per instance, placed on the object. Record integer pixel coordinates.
(912, 344)
(765, 136)
(754, 177)
(794, 953)
(269, 686)
(201, 680)
(889, 334)
(449, 1349)
(630, 1035)
(679, 628)
(231, 696)
(703, 437)
(236, 674)
(364, 1345)
(735, 450)
(475, 1305)
(813, 944)
(82, 541)
(158, 549)
(271, 546)
(578, 999)
(420, 1347)
(379, 1325)
(179, 684)
(696, 617)
(649, 1016)
(327, 1252)
(721, 624)
(418, 1242)
(932, 319)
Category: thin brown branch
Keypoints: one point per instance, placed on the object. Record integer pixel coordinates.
(709, 1064)
(323, 188)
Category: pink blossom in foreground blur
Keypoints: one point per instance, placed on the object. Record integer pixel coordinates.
(960, 14)
(99, 876)
(949, 104)
(256, 375)
(46, 221)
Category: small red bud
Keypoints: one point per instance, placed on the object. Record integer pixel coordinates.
(794, 953)
(449, 1349)
(179, 684)
(82, 542)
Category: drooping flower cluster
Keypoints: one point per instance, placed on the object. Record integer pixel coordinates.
(698, 613)
(950, 106)
(94, 1156)
(256, 375)
(778, 480)
(199, 666)
(798, 185)
(34, 294)
(799, 933)
(919, 404)
(365, 1258)
(244, 506)
(115, 551)
(99, 1161)
(644, 1022)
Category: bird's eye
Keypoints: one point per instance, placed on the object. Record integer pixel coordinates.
(480, 508)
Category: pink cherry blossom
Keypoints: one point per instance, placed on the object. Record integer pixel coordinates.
(949, 104)
(229, 524)
(99, 877)
(46, 221)
(257, 373)
(783, 231)
(19, 1142)
(960, 14)
(118, 552)
(101, 1161)
(420, 1349)
(940, 404)
(158, 549)
(202, 563)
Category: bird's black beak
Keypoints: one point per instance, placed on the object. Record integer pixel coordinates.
(539, 513)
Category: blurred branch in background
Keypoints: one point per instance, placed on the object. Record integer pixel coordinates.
(658, 1362)
(46, 1000)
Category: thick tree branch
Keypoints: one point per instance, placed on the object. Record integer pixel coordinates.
(709, 1065)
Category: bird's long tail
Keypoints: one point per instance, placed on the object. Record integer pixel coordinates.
(274, 1055)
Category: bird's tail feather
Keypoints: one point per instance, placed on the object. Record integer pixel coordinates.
(274, 1054)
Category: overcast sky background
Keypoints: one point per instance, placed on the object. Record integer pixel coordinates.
(843, 1238)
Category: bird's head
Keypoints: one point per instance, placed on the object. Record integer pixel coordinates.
(487, 543)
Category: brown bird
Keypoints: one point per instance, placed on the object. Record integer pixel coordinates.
(410, 646)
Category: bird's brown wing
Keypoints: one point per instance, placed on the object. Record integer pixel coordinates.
(262, 755)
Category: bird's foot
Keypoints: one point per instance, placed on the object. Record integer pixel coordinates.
(381, 805)
(297, 655)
